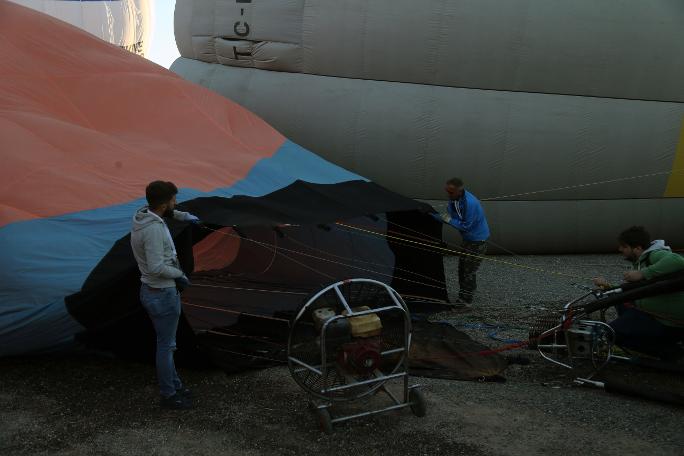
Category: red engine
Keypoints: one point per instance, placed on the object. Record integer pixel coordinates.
(360, 357)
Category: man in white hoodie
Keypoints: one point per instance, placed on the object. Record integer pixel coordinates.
(162, 281)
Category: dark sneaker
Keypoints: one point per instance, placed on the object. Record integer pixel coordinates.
(466, 299)
(458, 303)
(175, 402)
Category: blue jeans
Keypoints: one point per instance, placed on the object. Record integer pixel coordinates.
(163, 307)
(639, 331)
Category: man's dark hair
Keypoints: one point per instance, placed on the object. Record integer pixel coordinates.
(635, 236)
(455, 181)
(160, 192)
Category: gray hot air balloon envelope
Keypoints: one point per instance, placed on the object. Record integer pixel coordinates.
(514, 97)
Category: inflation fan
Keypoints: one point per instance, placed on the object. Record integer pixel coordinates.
(572, 338)
(568, 338)
(346, 343)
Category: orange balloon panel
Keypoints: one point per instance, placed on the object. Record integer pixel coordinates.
(216, 251)
(85, 125)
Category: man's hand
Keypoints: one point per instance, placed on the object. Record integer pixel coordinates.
(600, 282)
(633, 276)
(446, 218)
(182, 283)
(193, 219)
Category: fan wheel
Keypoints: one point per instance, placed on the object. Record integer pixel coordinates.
(418, 402)
(324, 420)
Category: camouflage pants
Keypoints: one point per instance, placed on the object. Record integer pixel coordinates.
(467, 268)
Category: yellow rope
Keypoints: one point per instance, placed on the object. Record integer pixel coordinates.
(283, 249)
(451, 251)
(569, 187)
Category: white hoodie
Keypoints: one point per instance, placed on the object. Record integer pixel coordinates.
(154, 250)
(658, 244)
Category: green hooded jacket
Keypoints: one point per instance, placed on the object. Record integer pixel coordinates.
(658, 260)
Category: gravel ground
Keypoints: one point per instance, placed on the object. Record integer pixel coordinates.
(96, 406)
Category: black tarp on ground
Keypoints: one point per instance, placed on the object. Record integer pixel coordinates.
(437, 350)
(441, 351)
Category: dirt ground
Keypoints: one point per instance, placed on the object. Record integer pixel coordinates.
(93, 405)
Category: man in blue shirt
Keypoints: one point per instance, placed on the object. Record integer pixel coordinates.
(465, 213)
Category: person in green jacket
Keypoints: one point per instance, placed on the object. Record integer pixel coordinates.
(654, 326)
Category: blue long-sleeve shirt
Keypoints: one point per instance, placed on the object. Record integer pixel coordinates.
(468, 217)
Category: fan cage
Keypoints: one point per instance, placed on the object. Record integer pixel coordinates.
(313, 354)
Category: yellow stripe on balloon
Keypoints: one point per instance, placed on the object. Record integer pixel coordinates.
(675, 183)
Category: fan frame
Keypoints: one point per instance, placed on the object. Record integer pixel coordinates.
(322, 400)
